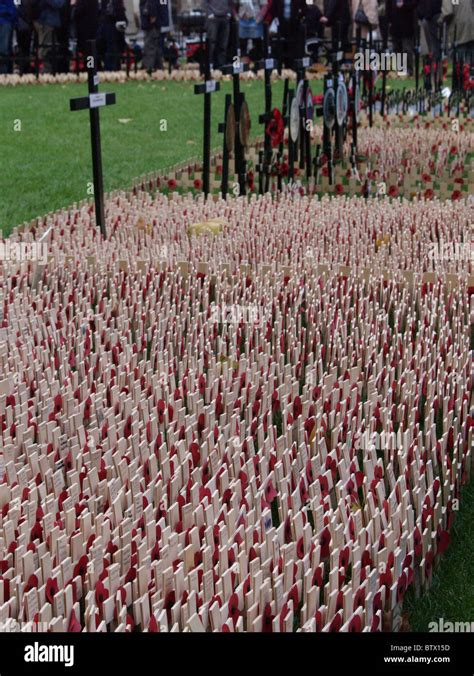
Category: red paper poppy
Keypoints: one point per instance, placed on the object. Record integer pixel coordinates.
(80, 569)
(51, 589)
(355, 625)
(325, 541)
(233, 606)
(275, 128)
(172, 184)
(443, 540)
(74, 626)
(393, 191)
(456, 195)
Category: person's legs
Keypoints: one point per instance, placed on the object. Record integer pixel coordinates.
(223, 32)
(212, 28)
(149, 49)
(6, 31)
(408, 46)
(45, 42)
(160, 50)
(24, 50)
(112, 56)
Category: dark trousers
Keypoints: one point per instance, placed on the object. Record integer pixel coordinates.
(153, 49)
(23, 39)
(432, 31)
(405, 44)
(218, 30)
(110, 45)
(6, 38)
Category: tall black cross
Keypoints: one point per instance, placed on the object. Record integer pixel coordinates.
(235, 69)
(301, 64)
(222, 128)
(207, 88)
(93, 102)
(268, 64)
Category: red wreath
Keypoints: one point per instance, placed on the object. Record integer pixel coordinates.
(276, 128)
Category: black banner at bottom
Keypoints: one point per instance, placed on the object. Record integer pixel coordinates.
(81, 653)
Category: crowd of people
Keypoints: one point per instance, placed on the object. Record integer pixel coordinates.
(45, 28)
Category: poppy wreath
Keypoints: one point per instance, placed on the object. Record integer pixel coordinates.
(275, 128)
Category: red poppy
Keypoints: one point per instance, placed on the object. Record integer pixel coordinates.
(428, 194)
(456, 195)
(172, 184)
(197, 183)
(153, 625)
(74, 625)
(31, 584)
(393, 191)
(443, 540)
(401, 587)
(101, 593)
(325, 541)
(339, 188)
(275, 128)
(233, 606)
(355, 625)
(51, 589)
(81, 567)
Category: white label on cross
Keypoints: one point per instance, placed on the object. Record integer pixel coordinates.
(97, 100)
(269, 63)
(306, 62)
(210, 86)
(238, 67)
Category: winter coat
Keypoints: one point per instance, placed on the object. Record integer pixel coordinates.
(112, 11)
(48, 13)
(371, 10)
(8, 12)
(402, 20)
(153, 9)
(86, 17)
(460, 20)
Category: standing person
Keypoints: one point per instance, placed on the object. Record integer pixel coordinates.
(401, 18)
(110, 37)
(8, 19)
(250, 28)
(219, 13)
(429, 12)
(289, 15)
(150, 16)
(48, 19)
(460, 20)
(62, 35)
(337, 15)
(85, 16)
(371, 11)
(24, 34)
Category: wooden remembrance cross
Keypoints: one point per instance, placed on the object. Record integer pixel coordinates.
(207, 88)
(93, 102)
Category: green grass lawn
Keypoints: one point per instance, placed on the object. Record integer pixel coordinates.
(47, 165)
(451, 596)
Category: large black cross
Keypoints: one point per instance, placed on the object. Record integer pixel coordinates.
(93, 102)
(268, 64)
(207, 88)
(235, 69)
(300, 65)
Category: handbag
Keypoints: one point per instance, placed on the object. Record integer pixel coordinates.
(360, 17)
